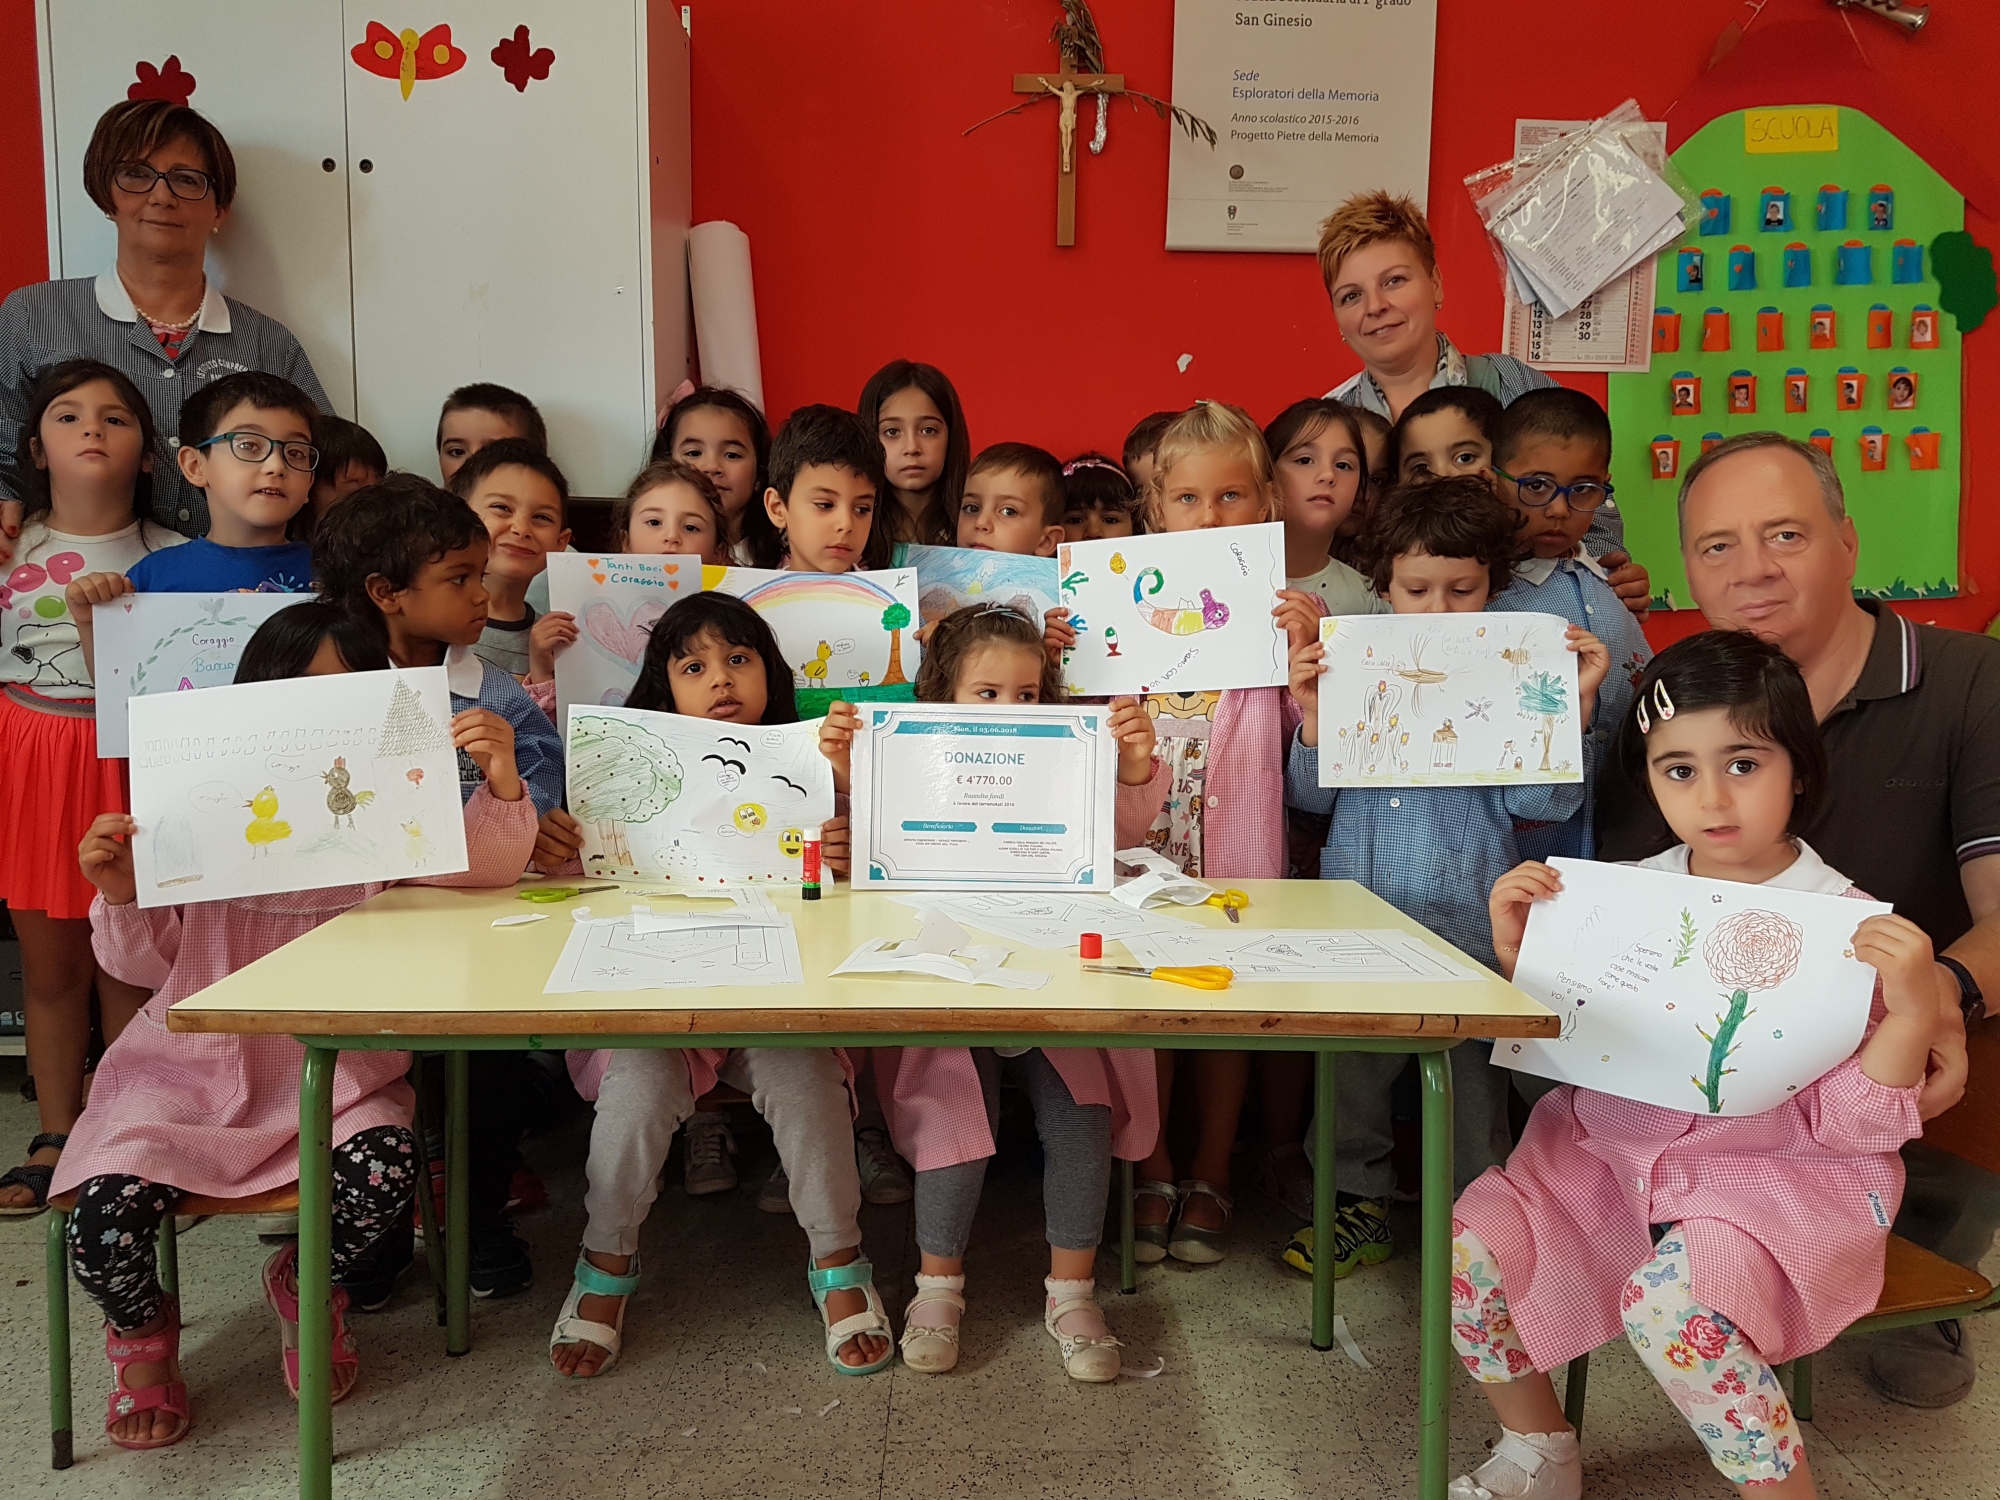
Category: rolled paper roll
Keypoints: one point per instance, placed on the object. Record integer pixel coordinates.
(1742, 269)
(1881, 327)
(1922, 445)
(1714, 212)
(1798, 389)
(725, 309)
(1832, 208)
(1798, 266)
(1874, 450)
(1906, 262)
(1854, 264)
(1715, 331)
(1666, 456)
(1923, 326)
(1770, 330)
(1666, 331)
(1821, 439)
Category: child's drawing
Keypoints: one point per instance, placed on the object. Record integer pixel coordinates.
(689, 802)
(1622, 957)
(341, 798)
(950, 578)
(844, 635)
(165, 643)
(617, 599)
(1447, 700)
(1203, 601)
(1752, 950)
(284, 786)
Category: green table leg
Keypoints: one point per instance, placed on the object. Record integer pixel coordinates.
(1128, 1265)
(457, 1203)
(315, 1274)
(1324, 1135)
(56, 1269)
(1435, 1362)
(167, 1258)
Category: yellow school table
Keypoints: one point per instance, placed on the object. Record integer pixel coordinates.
(423, 968)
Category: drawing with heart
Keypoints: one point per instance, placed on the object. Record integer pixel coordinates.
(623, 638)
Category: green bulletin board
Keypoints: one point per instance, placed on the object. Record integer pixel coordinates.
(1906, 513)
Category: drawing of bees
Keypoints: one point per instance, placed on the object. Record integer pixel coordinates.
(1517, 655)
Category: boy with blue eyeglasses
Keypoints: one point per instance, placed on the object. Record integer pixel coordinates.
(246, 442)
(1551, 459)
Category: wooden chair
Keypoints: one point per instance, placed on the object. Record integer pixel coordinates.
(1917, 1286)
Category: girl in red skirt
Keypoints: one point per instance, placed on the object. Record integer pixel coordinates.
(82, 468)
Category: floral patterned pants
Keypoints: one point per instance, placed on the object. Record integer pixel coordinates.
(1729, 1395)
(116, 1221)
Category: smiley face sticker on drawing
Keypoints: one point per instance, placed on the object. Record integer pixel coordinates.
(792, 843)
(749, 817)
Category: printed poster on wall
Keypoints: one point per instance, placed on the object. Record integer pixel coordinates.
(1311, 100)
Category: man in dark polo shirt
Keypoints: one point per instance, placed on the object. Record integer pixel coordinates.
(1911, 718)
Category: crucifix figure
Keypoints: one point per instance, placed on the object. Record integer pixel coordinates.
(1082, 72)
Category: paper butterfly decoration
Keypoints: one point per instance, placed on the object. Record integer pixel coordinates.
(623, 638)
(406, 56)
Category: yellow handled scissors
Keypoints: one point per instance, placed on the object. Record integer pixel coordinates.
(1203, 977)
(1231, 903)
(545, 894)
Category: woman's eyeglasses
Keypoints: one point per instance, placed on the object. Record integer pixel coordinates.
(183, 182)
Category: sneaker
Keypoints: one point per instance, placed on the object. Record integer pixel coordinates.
(711, 1152)
(775, 1196)
(884, 1178)
(1361, 1237)
(500, 1263)
(370, 1281)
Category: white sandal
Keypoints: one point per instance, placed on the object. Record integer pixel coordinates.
(933, 1347)
(1086, 1357)
(856, 1275)
(571, 1329)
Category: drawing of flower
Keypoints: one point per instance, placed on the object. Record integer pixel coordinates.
(1752, 950)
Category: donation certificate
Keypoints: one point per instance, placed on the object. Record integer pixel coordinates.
(1311, 100)
(963, 797)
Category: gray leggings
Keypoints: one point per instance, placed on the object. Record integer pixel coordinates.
(1076, 1162)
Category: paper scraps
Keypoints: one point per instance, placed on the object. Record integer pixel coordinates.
(943, 950)
(1158, 881)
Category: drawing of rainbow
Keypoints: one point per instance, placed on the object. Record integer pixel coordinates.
(804, 588)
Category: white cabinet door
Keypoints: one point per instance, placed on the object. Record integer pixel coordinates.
(497, 230)
(268, 73)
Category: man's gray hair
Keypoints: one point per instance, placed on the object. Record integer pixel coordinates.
(1820, 461)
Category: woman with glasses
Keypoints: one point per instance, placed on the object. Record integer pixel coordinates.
(166, 178)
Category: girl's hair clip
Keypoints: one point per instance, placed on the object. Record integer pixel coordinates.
(1645, 723)
(1661, 700)
(1095, 463)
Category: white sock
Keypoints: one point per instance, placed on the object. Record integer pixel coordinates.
(1080, 1322)
(1501, 1476)
(937, 1313)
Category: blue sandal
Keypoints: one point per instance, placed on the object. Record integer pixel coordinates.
(860, 1273)
(573, 1329)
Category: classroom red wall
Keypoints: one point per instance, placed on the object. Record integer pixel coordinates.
(832, 134)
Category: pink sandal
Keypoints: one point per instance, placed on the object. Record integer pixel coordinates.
(285, 1303)
(163, 1347)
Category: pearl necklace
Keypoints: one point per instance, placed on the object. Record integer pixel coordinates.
(185, 324)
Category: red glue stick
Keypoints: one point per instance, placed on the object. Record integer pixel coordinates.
(809, 875)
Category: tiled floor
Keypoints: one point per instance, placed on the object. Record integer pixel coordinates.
(723, 1390)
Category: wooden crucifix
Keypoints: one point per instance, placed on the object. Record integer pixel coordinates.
(1067, 87)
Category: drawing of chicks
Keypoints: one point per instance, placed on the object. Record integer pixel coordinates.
(340, 799)
(416, 847)
(265, 827)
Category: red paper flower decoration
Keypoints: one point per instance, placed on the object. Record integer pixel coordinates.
(405, 56)
(520, 60)
(172, 83)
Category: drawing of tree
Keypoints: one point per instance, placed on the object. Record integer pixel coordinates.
(619, 774)
(1684, 943)
(895, 620)
(407, 730)
(1545, 696)
(1752, 950)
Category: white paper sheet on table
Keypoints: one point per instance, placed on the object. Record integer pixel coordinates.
(610, 954)
(1159, 881)
(943, 950)
(1050, 921)
(1448, 700)
(1707, 996)
(1383, 955)
(748, 908)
